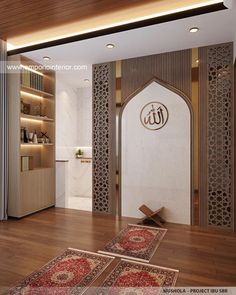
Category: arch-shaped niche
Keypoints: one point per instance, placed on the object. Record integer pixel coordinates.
(156, 125)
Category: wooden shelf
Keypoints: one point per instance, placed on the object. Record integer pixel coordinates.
(33, 144)
(37, 168)
(83, 158)
(46, 119)
(36, 92)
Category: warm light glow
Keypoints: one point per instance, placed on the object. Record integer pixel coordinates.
(31, 95)
(120, 18)
(46, 58)
(31, 70)
(194, 30)
(32, 120)
(31, 145)
(110, 46)
(86, 80)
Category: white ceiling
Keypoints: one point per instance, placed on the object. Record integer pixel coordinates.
(217, 27)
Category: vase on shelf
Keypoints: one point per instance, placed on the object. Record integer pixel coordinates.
(35, 138)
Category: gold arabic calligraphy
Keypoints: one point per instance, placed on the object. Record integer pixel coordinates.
(154, 116)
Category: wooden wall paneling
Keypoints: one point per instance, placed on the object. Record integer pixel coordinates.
(173, 68)
(234, 157)
(41, 186)
(104, 148)
(203, 109)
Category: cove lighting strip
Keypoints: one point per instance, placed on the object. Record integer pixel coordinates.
(32, 120)
(31, 145)
(30, 94)
(125, 22)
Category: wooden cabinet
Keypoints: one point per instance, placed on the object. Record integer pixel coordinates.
(31, 190)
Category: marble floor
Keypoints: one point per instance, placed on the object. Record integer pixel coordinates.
(80, 203)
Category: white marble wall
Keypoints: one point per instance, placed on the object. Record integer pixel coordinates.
(62, 184)
(84, 122)
(73, 131)
(156, 168)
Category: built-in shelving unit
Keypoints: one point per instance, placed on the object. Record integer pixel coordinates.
(31, 109)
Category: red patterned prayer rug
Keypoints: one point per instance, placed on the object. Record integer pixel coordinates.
(70, 273)
(135, 242)
(136, 278)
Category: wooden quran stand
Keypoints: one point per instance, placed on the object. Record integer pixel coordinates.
(150, 215)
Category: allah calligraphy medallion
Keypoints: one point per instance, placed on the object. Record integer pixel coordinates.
(154, 115)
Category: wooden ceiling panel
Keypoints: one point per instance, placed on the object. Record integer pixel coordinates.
(25, 16)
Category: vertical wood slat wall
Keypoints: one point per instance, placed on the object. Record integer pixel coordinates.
(234, 108)
(203, 90)
(172, 67)
(3, 132)
(234, 158)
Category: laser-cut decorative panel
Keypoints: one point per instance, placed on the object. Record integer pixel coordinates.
(103, 137)
(220, 135)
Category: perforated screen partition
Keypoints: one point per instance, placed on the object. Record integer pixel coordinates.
(216, 84)
(104, 138)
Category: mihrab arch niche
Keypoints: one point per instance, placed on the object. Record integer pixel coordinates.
(156, 152)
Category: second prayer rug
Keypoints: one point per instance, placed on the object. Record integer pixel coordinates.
(135, 242)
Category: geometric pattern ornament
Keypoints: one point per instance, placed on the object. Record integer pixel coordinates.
(219, 134)
(102, 118)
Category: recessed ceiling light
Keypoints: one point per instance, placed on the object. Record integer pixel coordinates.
(197, 61)
(86, 80)
(194, 30)
(46, 58)
(110, 46)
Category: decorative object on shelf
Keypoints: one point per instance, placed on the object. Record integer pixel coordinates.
(79, 153)
(43, 110)
(44, 138)
(25, 140)
(26, 109)
(22, 134)
(22, 106)
(36, 110)
(35, 137)
(27, 163)
(30, 137)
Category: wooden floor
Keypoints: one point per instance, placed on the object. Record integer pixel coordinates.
(203, 257)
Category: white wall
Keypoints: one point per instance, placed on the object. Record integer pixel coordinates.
(156, 164)
(73, 130)
(84, 121)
